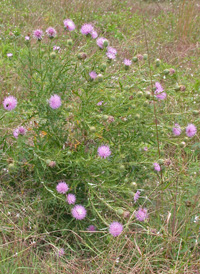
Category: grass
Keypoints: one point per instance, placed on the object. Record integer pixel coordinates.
(169, 242)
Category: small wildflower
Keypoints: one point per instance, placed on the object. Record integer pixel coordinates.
(71, 199)
(171, 71)
(61, 252)
(19, 131)
(140, 57)
(10, 103)
(51, 32)
(9, 55)
(115, 229)
(111, 119)
(157, 167)
(112, 50)
(91, 228)
(62, 187)
(104, 151)
(145, 148)
(94, 34)
(101, 42)
(56, 48)
(27, 38)
(93, 75)
(141, 215)
(79, 212)
(100, 103)
(55, 101)
(177, 130)
(37, 34)
(110, 55)
(87, 29)
(136, 196)
(191, 130)
(52, 164)
(127, 62)
(159, 91)
(69, 24)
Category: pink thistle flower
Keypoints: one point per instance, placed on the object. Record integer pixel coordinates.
(79, 212)
(69, 24)
(110, 55)
(104, 151)
(93, 75)
(115, 229)
(101, 42)
(171, 71)
(71, 199)
(19, 131)
(157, 167)
(62, 187)
(37, 34)
(56, 48)
(16, 133)
(27, 38)
(100, 103)
(136, 196)
(159, 91)
(9, 55)
(191, 130)
(141, 215)
(10, 103)
(87, 29)
(177, 130)
(22, 130)
(55, 101)
(127, 62)
(61, 252)
(91, 228)
(51, 32)
(94, 34)
(112, 50)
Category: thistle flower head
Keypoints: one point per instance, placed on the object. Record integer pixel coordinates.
(191, 130)
(37, 34)
(159, 91)
(157, 167)
(71, 199)
(176, 130)
(10, 103)
(112, 50)
(55, 101)
(62, 187)
(115, 229)
(69, 24)
(79, 212)
(93, 75)
(127, 62)
(91, 228)
(104, 151)
(141, 215)
(87, 29)
(101, 42)
(136, 196)
(94, 34)
(51, 32)
(110, 55)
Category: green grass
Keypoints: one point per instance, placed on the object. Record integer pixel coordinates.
(33, 221)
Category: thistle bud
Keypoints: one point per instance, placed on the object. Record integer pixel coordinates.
(69, 42)
(82, 56)
(53, 55)
(158, 62)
